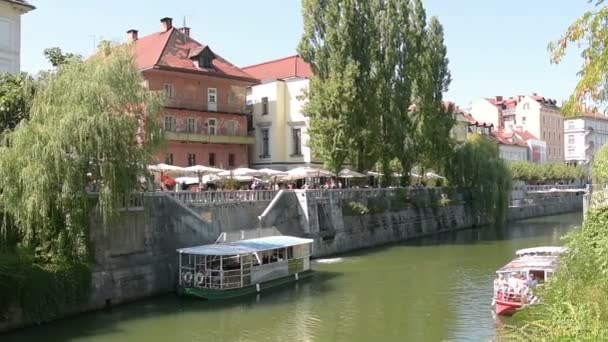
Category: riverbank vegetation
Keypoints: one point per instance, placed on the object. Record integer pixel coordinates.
(90, 123)
(548, 172)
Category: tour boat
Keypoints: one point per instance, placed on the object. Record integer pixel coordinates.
(226, 270)
(511, 291)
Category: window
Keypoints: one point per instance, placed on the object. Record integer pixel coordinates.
(231, 127)
(168, 123)
(206, 59)
(211, 126)
(191, 159)
(570, 139)
(169, 158)
(570, 124)
(191, 125)
(212, 95)
(169, 90)
(523, 120)
(544, 135)
(230, 159)
(265, 144)
(211, 159)
(297, 146)
(526, 106)
(212, 99)
(264, 105)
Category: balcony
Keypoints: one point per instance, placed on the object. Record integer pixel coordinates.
(202, 136)
(201, 105)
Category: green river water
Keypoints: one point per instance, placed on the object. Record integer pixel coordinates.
(432, 289)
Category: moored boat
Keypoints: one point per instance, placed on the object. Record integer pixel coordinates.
(226, 270)
(531, 267)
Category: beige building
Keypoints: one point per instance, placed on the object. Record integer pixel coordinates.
(279, 126)
(10, 33)
(535, 114)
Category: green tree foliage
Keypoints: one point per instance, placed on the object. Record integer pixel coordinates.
(88, 123)
(526, 171)
(371, 61)
(16, 94)
(591, 33)
(599, 168)
(58, 58)
(477, 166)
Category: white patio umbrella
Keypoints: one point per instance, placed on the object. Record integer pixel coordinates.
(346, 173)
(434, 176)
(307, 172)
(375, 174)
(165, 168)
(201, 169)
(241, 171)
(273, 173)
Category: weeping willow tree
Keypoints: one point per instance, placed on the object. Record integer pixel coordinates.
(92, 122)
(477, 167)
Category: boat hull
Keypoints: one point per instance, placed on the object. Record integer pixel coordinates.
(215, 294)
(506, 308)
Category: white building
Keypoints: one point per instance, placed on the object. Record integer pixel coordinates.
(280, 128)
(10, 33)
(584, 135)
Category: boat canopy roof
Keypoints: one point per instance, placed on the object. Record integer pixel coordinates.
(546, 250)
(530, 263)
(246, 246)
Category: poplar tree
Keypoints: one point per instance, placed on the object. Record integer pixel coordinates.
(336, 43)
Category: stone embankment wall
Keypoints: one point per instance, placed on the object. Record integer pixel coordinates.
(135, 255)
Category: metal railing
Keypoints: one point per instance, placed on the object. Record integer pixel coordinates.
(210, 197)
(556, 186)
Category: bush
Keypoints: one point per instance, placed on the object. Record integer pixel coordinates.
(358, 208)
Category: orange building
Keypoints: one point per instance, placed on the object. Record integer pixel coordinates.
(204, 118)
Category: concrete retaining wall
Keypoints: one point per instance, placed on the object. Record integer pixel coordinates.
(135, 255)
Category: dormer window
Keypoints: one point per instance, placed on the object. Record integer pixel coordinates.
(202, 57)
(205, 59)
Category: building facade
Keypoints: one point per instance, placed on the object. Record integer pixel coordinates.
(278, 123)
(10, 33)
(510, 146)
(584, 135)
(204, 118)
(535, 114)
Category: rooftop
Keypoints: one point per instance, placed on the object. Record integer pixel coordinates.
(21, 3)
(286, 67)
(508, 138)
(173, 49)
(246, 246)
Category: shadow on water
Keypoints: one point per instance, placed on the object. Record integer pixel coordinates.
(105, 322)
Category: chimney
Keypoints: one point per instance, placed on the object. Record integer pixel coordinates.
(185, 30)
(498, 98)
(132, 35)
(166, 24)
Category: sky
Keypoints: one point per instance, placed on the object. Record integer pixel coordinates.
(495, 47)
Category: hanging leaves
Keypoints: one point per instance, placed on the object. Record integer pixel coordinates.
(92, 122)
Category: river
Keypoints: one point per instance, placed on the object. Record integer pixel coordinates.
(432, 289)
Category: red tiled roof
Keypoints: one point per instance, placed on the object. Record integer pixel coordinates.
(292, 66)
(473, 121)
(173, 49)
(525, 135)
(592, 115)
(508, 138)
(513, 101)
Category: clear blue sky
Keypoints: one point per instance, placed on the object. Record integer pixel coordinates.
(495, 47)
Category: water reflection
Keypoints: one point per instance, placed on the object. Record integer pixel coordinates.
(432, 289)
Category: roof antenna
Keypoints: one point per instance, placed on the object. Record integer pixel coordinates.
(184, 22)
